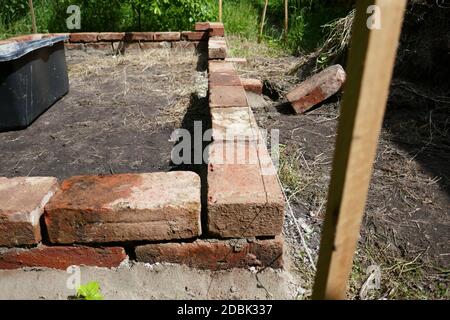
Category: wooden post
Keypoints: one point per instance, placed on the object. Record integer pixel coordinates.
(220, 10)
(370, 65)
(33, 17)
(286, 19)
(263, 18)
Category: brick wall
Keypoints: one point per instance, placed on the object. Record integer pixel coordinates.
(88, 220)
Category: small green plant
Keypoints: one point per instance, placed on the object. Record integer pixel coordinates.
(89, 291)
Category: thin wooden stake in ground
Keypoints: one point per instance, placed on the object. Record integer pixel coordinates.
(220, 10)
(33, 17)
(286, 19)
(263, 18)
(370, 65)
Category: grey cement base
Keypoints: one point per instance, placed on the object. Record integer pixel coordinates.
(143, 281)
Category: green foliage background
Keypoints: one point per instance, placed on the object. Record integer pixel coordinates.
(241, 17)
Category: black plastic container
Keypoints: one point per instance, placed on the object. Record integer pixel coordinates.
(33, 76)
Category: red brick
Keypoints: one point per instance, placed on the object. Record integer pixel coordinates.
(216, 254)
(61, 257)
(194, 35)
(74, 46)
(316, 89)
(167, 36)
(202, 26)
(227, 97)
(230, 124)
(217, 49)
(155, 45)
(83, 37)
(22, 202)
(125, 207)
(224, 78)
(216, 29)
(191, 45)
(252, 85)
(244, 196)
(111, 36)
(139, 36)
(127, 46)
(99, 46)
(220, 66)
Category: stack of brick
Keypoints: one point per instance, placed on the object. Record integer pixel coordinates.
(121, 41)
(89, 220)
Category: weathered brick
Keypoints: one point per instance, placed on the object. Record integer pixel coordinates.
(216, 254)
(244, 196)
(167, 36)
(99, 46)
(22, 202)
(125, 207)
(252, 85)
(220, 66)
(317, 88)
(216, 29)
(74, 46)
(217, 49)
(111, 36)
(194, 35)
(155, 45)
(139, 36)
(61, 257)
(183, 45)
(230, 124)
(84, 37)
(227, 97)
(224, 78)
(202, 26)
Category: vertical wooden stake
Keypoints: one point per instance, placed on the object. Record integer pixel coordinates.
(286, 19)
(33, 17)
(220, 10)
(263, 18)
(370, 65)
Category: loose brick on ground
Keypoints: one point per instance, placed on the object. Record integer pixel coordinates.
(252, 85)
(125, 207)
(317, 88)
(244, 196)
(216, 254)
(22, 202)
(167, 36)
(61, 257)
(231, 96)
(84, 37)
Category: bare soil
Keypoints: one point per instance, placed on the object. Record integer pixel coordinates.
(406, 227)
(117, 118)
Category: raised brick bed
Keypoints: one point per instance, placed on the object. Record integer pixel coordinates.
(89, 220)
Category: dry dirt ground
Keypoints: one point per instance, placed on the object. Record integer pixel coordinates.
(406, 227)
(117, 117)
